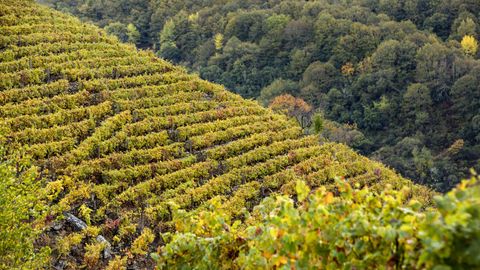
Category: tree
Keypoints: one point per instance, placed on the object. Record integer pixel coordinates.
(318, 123)
(246, 26)
(348, 69)
(469, 45)
(168, 47)
(396, 56)
(437, 67)
(454, 149)
(423, 162)
(133, 34)
(463, 25)
(317, 80)
(467, 27)
(356, 45)
(169, 51)
(439, 24)
(298, 32)
(343, 133)
(275, 26)
(218, 42)
(466, 94)
(299, 61)
(328, 30)
(416, 105)
(277, 88)
(417, 97)
(119, 30)
(168, 32)
(293, 107)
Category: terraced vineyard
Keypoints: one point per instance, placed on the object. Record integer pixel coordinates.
(121, 134)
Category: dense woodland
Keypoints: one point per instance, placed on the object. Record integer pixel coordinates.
(394, 75)
(112, 158)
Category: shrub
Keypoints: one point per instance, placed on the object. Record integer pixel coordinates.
(21, 211)
(352, 229)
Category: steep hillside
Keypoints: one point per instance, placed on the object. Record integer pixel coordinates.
(121, 134)
(405, 73)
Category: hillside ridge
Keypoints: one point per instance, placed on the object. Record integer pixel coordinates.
(122, 134)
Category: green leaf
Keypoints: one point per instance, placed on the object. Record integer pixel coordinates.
(302, 190)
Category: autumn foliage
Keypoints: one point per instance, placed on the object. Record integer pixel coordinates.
(469, 45)
(293, 107)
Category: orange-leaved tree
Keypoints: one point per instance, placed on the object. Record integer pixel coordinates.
(293, 107)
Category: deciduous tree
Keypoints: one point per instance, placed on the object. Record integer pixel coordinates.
(469, 45)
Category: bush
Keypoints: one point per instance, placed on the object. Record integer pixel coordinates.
(21, 210)
(349, 229)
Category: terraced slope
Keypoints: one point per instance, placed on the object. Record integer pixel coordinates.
(121, 134)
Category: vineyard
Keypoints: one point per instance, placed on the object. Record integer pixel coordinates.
(123, 138)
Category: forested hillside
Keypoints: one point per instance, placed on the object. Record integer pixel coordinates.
(403, 75)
